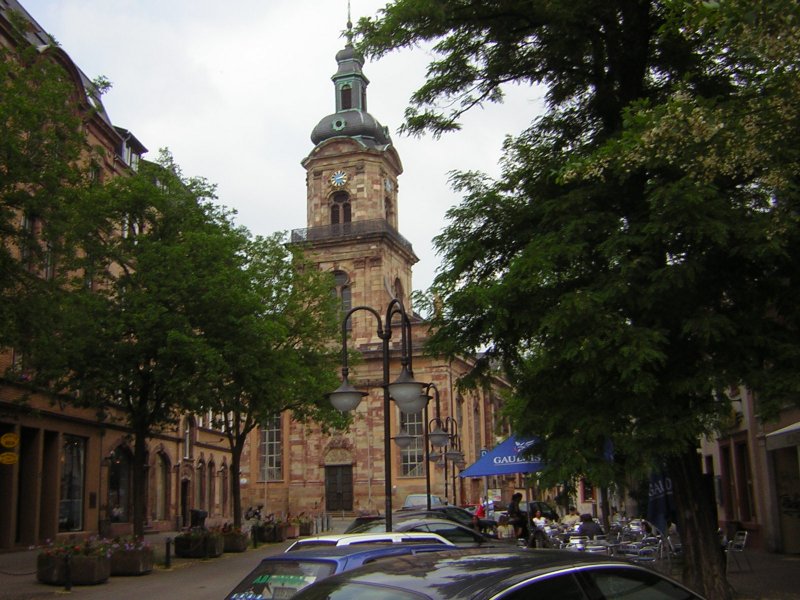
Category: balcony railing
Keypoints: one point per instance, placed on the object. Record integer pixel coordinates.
(345, 230)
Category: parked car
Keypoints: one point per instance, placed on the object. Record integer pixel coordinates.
(510, 574)
(454, 513)
(445, 511)
(421, 501)
(453, 532)
(548, 512)
(282, 575)
(377, 536)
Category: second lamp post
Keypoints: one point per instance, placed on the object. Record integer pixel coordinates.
(406, 392)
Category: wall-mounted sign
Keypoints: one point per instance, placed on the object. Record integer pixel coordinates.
(9, 440)
(8, 458)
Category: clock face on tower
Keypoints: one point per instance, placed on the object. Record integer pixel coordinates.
(338, 179)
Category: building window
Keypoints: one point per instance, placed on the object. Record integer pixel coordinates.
(224, 488)
(212, 487)
(73, 460)
(340, 208)
(347, 96)
(200, 486)
(587, 491)
(49, 262)
(413, 458)
(188, 428)
(162, 486)
(744, 477)
(28, 241)
(398, 290)
(119, 484)
(271, 450)
(342, 290)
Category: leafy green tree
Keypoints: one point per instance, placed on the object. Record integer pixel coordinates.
(121, 339)
(43, 155)
(271, 323)
(638, 254)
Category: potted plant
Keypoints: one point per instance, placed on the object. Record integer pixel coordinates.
(304, 524)
(234, 539)
(131, 555)
(199, 542)
(74, 561)
(279, 529)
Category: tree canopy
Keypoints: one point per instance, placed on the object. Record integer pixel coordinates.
(41, 147)
(638, 254)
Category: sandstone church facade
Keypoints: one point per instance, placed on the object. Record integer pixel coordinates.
(353, 201)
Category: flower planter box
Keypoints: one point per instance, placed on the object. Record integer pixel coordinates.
(264, 533)
(84, 570)
(235, 542)
(292, 531)
(280, 532)
(132, 562)
(305, 528)
(199, 546)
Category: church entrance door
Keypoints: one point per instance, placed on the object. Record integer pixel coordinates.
(339, 488)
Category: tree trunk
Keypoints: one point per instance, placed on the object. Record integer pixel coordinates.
(604, 512)
(236, 493)
(704, 561)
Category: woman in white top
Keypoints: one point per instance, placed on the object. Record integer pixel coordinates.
(538, 520)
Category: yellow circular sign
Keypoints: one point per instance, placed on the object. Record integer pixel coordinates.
(9, 440)
(8, 458)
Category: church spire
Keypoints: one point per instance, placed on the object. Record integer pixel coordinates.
(350, 118)
(349, 33)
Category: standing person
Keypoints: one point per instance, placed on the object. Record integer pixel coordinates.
(516, 517)
(479, 517)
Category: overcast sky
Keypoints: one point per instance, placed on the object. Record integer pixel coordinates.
(234, 89)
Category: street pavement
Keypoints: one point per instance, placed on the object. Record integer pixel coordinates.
(770, 576)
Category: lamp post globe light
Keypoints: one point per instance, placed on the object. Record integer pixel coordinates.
(405, 391)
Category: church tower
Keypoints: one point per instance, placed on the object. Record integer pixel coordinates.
(352, 198)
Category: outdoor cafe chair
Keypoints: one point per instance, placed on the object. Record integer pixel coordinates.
(737, 546)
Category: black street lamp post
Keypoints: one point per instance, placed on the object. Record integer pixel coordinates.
(406, 392)
(435, 436)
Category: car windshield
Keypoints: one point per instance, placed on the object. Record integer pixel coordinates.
(280, 579)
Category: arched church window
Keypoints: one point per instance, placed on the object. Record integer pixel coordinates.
(347, 97)
(398, 290)
(340, 208)
(388, 209)
(342, 291)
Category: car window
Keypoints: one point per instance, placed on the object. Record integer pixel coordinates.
(453, 533)
(633, 584)
(307, 544)
(563, 586)
(280, 579)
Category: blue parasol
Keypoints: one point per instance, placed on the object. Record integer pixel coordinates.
(508, 458)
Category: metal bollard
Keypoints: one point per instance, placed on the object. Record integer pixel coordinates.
(168, 554)
(68, 573)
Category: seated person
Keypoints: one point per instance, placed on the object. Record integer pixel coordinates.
(538, 520)
(571, 519)
(504, 530)
(588, 527)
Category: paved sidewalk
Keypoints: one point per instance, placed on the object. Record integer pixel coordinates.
(771, 576)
